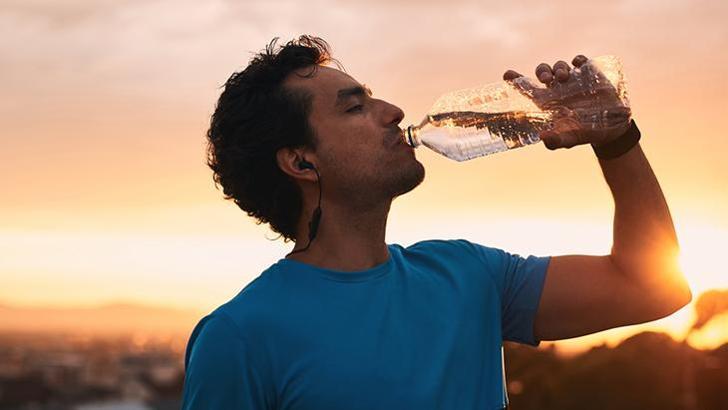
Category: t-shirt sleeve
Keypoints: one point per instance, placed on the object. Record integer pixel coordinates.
(520, 282)
(220, 372)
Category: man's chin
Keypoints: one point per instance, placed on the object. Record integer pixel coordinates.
(409, 178)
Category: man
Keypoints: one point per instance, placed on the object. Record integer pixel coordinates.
(346, 321)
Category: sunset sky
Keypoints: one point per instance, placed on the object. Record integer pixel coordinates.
(106, 196)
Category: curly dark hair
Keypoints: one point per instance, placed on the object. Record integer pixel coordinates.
(254, 118)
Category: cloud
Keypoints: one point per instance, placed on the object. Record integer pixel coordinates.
(92, 85)
(172, 48)
(147, 47)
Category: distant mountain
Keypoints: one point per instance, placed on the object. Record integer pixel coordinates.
(116, 318)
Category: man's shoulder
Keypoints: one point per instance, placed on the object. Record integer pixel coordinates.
(246, 308)
(457, 254)
(254, 297)
(455, 246)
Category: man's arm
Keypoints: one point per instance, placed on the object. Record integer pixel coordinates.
(638, 282)
(222, 370)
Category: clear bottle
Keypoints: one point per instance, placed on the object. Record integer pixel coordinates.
(470, 123)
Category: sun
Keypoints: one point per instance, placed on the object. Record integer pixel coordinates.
(700, 250)
(700, 246)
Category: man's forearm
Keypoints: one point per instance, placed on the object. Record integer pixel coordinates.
(645, 245)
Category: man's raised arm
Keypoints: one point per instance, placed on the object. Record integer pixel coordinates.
(640, 280)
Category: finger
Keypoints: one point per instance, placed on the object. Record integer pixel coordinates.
(561, 71)
(550, 139)
(544, 73)
(571, 139)
(579, 60)
(511, 75)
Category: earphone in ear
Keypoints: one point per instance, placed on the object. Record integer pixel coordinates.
(305, 165)
(313, 225)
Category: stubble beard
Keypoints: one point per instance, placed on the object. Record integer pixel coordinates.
(404, 179)
(366, 192)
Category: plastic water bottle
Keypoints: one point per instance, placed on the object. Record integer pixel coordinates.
(470, 123)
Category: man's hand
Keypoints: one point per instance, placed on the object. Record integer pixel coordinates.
(594, 114)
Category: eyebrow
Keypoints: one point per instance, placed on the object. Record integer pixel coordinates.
(345, 93)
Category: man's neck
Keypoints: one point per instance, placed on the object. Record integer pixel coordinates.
(347, 240)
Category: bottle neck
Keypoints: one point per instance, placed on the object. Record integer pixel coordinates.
(411, 136)
(412, 133)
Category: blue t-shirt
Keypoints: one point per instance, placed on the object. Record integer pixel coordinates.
(424, 330)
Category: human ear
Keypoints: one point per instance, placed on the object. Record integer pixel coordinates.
(296, 163)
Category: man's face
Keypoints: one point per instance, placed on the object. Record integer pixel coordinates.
(360, 152)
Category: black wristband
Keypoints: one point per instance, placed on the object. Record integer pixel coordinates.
(620, 145)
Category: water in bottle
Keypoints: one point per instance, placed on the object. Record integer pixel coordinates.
(470, 123)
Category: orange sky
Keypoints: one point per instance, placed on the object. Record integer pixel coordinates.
(105, 192)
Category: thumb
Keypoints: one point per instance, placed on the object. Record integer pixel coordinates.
(551, 139)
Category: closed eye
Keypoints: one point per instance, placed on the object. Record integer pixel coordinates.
(355, 108)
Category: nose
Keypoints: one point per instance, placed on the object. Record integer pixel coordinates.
(393, 114)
